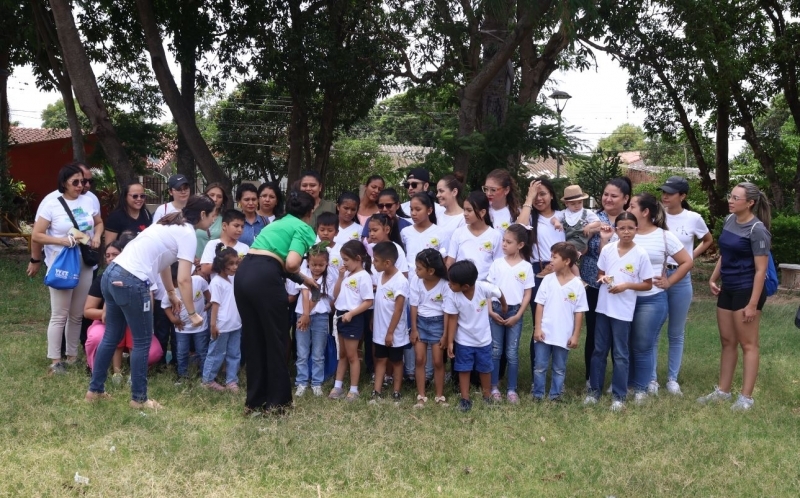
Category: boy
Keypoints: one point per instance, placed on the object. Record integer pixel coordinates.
(186, 334)
(390, 329)
(327, 229)
(467, 318)
(232, 227)
(560, 304)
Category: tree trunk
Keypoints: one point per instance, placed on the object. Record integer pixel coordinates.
(184, 157)
(322, 148)
(5, 123)
(721, 167)
(298, 129)
(494, 102)
(87, 91)
(78, 147)
(185, 120)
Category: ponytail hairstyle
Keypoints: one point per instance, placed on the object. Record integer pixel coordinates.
(222, 255)
(761, 208)
(623, 183)
(431, 258)
(655, 212)
(626, 216)
(320, 249)
(455, 182)
(503, 177)
(354, 249)
(299, 204)
(192, 212)
(479, 202)
(523, 234)
(386, 221)
(684, 204)
(428, 199)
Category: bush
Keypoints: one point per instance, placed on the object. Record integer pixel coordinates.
(784, 248)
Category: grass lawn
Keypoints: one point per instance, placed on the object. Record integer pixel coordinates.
(200, 444)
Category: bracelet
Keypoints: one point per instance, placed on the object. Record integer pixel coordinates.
(35, 261)
(173, 291)
(193, 313)
(527, 206)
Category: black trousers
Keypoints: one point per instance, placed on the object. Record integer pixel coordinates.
(591, 297)
(262, 301)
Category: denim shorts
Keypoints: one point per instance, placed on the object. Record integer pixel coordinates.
(470, 358)
(431, 329)
(352, 330)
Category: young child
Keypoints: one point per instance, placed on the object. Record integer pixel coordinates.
(232, 226)
(380, 226)
(424, 233)
(624, 268)
(312, 323)
(186, 334)
(560, 304)
(347, 208)
(574, 220)
(327, 231)
(514, 274)
(469, 339)
(428, 293)
(353, 295)
(390, 329)
(225, 323)
(477, 241)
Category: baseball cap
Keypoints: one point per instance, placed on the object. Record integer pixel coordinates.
(675, 184)
(419, 174)
(176, 181)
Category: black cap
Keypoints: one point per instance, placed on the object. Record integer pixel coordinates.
(675, 184)
(176, 181)
(419, 174)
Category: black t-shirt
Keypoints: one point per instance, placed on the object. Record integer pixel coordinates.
(95, 290)
(119, 221)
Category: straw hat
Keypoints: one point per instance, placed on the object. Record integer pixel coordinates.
(573, 193)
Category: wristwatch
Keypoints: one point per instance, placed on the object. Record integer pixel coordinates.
(33, 260)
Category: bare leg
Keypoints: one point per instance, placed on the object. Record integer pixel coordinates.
(116, 361)
(486, 380)
(420, 356)
(351, 349)
(747, 335)
(463, 384)
(730, 353)
(397, 376)
(380, 371)
(438, 370)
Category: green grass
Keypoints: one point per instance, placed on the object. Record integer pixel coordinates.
(200, 444)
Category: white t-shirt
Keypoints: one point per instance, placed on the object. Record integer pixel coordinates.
(228, 319)
(571, 218)
(335, 257)
(199, 286)
(687, 226)
(633, 267)
(353, 232)
(163, 210)
(292, 288)
(402, 262)
(385, 297)
(429, 303)
(473, 315)
(54, 196)
(481, 250)
(560, 303)
(415, 241)
(326, 298)
(437, 208)
(513, 280)
(546, 236)
(501, 219)
(448, 224)
(209, 253)
(653, 244)
(83, 209)
(157, 247)
(356, 288)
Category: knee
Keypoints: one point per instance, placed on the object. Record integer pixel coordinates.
(512, 355)
(497, 350)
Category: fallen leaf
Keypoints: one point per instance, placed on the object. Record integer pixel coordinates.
(467, 470)
(542, 439)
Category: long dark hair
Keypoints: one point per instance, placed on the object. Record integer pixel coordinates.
(278, 211)
(522, 234)
(623, 183)
(354, 249)
(427, 199)
(320, 250)
(546, 183)
(122, 203)
(390, 192)
(299, 204)
(191, 213)
(386, 221)
(479, 202)
(431, 258)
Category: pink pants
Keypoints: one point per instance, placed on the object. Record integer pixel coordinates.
(95, 334)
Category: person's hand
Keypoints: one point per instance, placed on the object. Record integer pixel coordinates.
(715, 289)
(442, 344)
(572, 343)
(557, 225)
(661, 282)
(494, 316)
(103, 314)
(512, 320)
(617, 288)
(214, 332)
(68, 241)
(95, 242)
(532, 189)
(310, 283)
(606, 232)
(414, 336)
(175, 303)
(749, 313)
(33, 269)
(504, 307)
(303, 322)
(538, 335)
(450, 353)
(196, 319)
(389, 340)
(347, 317)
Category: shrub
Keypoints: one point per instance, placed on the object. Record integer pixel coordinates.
(785, 248)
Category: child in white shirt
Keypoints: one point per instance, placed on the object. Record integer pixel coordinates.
(185, 333)
(232, 227)
(477, 241)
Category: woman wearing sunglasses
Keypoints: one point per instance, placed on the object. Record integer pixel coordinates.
(130, 214)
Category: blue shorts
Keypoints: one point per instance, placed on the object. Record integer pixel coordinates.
(352, 330)
(473, 358)
(430, 329)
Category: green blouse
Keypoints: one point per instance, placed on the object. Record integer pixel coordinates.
(284, 235)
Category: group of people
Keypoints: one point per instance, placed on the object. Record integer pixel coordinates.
(443, 276)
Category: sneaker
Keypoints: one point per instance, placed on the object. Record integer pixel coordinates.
(441, 401)
(640, 397)
(497, 397)
(388, 380)
(396, 396)
(512, 397)
(618, 406)
(316, 390)
(300, 391)
(464, 405)
(743, 403)
(489, 400)
(116, 379)
(232, 387)
(351, 396)
(213, 386)
(336, 393)
(421, 400)
(714, 397)
(652, 388)
(674, 388)
(538, 399)
(71, 361)
(57, 369)
(375, 398)
(588, 385)
(589, 400)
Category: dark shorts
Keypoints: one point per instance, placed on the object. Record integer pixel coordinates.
(734, 300)
(352, 330)
(394, 354)
(430, 329)
(471, 358)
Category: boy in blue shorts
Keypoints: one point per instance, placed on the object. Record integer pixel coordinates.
(468, 332)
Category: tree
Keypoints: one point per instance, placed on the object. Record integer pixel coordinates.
(625, 137)
(594, 172)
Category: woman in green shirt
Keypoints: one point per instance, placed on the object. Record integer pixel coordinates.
(262, 301)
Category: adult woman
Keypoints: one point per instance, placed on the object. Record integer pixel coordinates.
(216, 193)
(179, 192)
(651, 306)
(51, 230)
(262, 302)
(311, 183)
(687, 226)
(247, 197)
(501, 190)
(369, 199)
(616, 199)
(130, 214)
(270, 201)
(447, 192)
(389, 204)
(126, 289)
(744, 246)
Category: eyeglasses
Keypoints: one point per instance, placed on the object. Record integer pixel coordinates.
(411, 184)
(735, 198)
(136, 197)
(489, 190)
(75, 183)
(385, 206)
(87, 181)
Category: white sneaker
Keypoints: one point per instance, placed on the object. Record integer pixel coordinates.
(588, 385)
(317, 390)
(743, 403)
(674, 388)
(301, 390)
(652, 388)
(617, 406)
(590, 400)
(714, 397)
(640, 398)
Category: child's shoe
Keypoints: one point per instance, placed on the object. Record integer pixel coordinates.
(396, 396)
(617, 406)
(674, 388)
(464, 405)
(316, 390)
(300, 391)
(375, 398)
(57, 369)
(589, 400)
(232, 387)
(213, 386)
(351, 396)
(441, 401)
(496, 396)
(512, 397)
(743, 403)
(421, 400)
(489, 400)
(714, 397)
(652, 388)
(336, 393)
(640, 398)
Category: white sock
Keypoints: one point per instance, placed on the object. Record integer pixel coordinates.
(354, 389)
(337, 384)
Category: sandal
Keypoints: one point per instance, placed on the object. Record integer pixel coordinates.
(150, 404)
(441, 401)
(421, 400)
(91, 397)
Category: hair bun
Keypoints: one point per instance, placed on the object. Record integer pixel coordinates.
(459, 175)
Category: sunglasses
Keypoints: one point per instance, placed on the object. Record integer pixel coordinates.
(136, 197)
(385, 206)
(75, 183)
(411, 184)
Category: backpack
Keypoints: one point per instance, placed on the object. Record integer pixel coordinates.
(771, 283)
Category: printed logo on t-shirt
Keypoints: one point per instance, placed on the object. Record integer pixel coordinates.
(628, 269)
(197, 295)
(481, 305)
(352, 284)
(571, 297)
(487, 246)
(437, 298)
(433, 243)
(504, 225)
(521, 276)
(335, 262)
(389, 294)
(82, 218)
(354, 236)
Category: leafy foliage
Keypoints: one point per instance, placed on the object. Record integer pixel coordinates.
(355, 160)
(594, 172)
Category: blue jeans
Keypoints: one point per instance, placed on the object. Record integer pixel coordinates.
(183, 342)
(128, 302)
(543, 353)
(648, 318)
(610, 334)
(505, 338)
(312, 342)
(679, 298)
(225, 348)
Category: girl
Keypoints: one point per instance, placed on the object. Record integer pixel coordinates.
(424, 233)
(353, 295)
(346, 208)
(514, 275)
(501, 191)
(448, 191)
(185, 333)
(477, 240)
(744, 255)
(179, 193)
(389, 204)
(312, 322)
(428, 293)
(368, 205)
(380, 229)
(623, 268)
(226, 324)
